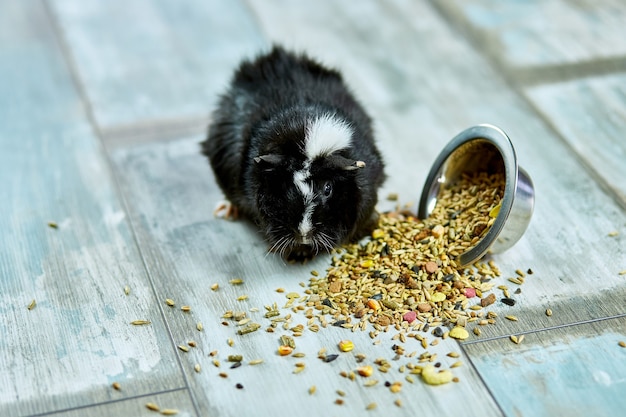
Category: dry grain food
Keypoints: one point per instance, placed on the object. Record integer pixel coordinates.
(408, 265)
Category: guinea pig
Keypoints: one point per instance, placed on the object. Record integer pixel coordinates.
(293, 150)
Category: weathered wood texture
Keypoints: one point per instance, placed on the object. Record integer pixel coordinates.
(590, 114)
(544, 38)
(150, 72)
(77, 340)
(154, 65)
(577, 370)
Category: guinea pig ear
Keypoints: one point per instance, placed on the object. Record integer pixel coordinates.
(271, 159)
(345, 163)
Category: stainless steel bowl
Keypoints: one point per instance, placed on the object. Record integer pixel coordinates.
(477, 149)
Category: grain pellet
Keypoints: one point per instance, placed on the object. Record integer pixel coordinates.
(152, 407)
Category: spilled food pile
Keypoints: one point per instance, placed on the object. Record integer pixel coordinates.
(407, 270)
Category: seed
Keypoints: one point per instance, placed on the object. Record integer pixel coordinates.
(622, 343)
(513, 339)
(242, 297)
(223, 374)
(249, 328)
(456, 364)
(183, 348)
(365, 371)
(255, 361)
(239, 385)
(186, 309)
(477, 331)
(512, 318)
(230, 342)
(395, 387)
(453, 355)
(280, 290)
(341, 393)
(32, 304)
(126, 290)
(508, 301)
(398, 402)
(312, 389)
(197, 368)
(371, 406)
(339, 401)
(292, 295)
(370, 382)
(192, 343)
(613, 233)
(284, 350)
(139, 322)
(459, 332)
(169, 302)
(152, 406)
(433, 377)
(330, 358)
(520, 273)
(548, 312)
(116, 386)
(199, 326)
(169, 412)
(235, 365)
(373, 304)
(622, 272)
(236, 281)
(346, 345)
(215, 287)
(235, 358)
(53, 225)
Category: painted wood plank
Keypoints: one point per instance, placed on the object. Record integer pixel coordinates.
(178, 400)
(154, 62)
(67, 350)
(429, 87)
(534, 34)
(590, 114)
(575, 370)
(171, 196)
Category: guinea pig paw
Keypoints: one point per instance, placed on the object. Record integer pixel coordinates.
(226, 210)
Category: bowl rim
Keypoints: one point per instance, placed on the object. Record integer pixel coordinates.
(500, 140)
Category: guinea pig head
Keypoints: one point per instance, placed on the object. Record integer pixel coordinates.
(308, 196)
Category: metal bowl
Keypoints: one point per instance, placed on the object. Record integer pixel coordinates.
(477, 149)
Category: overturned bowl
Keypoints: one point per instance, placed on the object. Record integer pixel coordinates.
(484, 148)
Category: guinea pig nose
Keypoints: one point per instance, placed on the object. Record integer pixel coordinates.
(303, 238)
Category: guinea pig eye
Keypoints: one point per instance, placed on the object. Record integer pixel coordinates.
(328, 189)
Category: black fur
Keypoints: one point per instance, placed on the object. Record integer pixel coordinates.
(256, 141)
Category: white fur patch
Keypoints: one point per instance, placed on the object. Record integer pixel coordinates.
(306, 224)
(326, 135)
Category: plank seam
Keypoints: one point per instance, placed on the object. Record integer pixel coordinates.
(71, 64)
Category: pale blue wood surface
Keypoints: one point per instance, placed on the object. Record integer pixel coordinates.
(147, 70)
(77, 340)
(572, 371)
(590, 114)
(537, 33)
(154, 61)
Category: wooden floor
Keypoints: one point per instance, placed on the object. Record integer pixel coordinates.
(102, 106)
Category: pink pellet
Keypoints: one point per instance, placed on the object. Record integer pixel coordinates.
(409, 316)
(470, 292)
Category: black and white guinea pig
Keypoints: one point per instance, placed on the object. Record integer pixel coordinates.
(293, 150)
